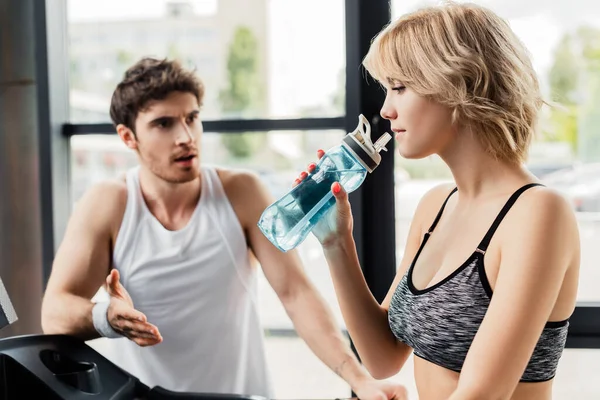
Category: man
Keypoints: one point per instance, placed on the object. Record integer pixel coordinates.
(172, 242)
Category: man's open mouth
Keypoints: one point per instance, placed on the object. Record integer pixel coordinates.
(185, 158)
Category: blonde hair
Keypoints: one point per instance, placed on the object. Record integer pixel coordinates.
(465, 57)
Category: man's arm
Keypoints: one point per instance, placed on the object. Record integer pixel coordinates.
(308, 311)
(82, 262)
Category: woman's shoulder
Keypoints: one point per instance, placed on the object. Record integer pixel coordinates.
(437, 192)
(436, 196)
(541, 226)
(432, 201)
(544, 207)
(543, 202)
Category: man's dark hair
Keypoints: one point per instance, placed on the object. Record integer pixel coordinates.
(150, 79)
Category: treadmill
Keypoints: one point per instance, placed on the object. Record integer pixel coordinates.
(61, 367)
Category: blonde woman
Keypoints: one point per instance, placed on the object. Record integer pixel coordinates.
(489, 278)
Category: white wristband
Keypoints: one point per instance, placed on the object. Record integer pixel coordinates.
(100, 320)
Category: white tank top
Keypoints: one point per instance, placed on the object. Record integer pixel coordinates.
(198, 287)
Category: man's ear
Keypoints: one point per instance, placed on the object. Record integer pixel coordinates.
(127, 136)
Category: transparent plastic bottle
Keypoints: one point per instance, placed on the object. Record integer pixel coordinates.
(288, 221)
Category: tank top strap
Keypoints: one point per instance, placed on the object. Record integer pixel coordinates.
(133, 183)
(222, 212)
(212, 188)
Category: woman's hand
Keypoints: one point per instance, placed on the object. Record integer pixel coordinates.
(336, 226)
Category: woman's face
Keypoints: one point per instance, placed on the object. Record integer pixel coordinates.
(422, 127)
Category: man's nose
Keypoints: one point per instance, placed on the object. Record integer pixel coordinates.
(184, 133)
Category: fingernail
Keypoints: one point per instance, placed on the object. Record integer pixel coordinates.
(320, 151)
(297, 181)
(303, 175)
(312, 165)
(337, 188)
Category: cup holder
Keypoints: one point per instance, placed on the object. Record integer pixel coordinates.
(79, 374)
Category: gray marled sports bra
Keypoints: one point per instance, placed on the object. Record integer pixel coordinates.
(440, 322)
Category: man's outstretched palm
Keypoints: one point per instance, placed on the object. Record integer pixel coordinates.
(124, 318)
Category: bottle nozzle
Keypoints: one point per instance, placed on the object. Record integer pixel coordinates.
(382, 141)
(360, 144)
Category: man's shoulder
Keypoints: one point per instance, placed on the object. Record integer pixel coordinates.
(105, 200)
(107, 190)
(246, 193)
(239, 181)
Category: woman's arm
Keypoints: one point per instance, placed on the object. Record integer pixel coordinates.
(367, 321)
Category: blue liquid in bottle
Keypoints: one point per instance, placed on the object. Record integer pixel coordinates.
(288, 221)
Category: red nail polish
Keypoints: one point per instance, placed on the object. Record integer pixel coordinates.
(303, 175)
(337, 188)
(312, 165)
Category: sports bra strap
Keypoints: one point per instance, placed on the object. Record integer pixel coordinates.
(439, 214)
(482, 248)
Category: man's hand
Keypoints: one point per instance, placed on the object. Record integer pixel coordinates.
(124, 318)
(371, 389)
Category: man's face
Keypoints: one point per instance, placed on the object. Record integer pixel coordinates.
(167, 137)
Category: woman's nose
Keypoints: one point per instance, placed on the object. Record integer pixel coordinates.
(387, 110)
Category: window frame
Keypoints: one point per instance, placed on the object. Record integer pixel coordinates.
(372, 204)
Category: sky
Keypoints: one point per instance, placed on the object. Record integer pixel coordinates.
(303, 33)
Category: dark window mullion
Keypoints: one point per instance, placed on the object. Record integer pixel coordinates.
(228, 126)
(584, 326)
(373, 202)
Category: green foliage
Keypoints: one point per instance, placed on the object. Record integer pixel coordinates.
(243, 93)
(564, 72)
(576, 58)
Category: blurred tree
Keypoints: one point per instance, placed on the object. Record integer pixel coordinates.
(173, 52)
(564, 84)
(124, 59)
(588, 121)
(572, 77)
(244, 94)
(75, 78)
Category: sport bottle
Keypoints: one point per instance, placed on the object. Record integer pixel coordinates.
(289, 220)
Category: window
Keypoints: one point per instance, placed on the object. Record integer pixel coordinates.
(564, 44)
(278, 157)
(302, 76)
(224, 40)
(298, 374)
